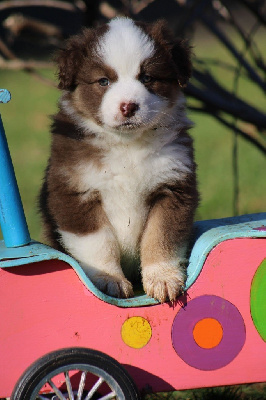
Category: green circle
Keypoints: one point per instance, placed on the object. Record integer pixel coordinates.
(258, 300)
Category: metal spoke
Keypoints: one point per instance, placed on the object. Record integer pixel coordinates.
(57, 391)
(108, 396)
(80, 394)
(81, 385)
(69, 387)
(94, 388)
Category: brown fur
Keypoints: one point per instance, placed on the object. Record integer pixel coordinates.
(64, 201)
(170, 220)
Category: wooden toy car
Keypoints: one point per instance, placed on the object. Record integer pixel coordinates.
(61, 338)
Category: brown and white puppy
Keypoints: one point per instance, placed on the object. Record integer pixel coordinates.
(120, 183)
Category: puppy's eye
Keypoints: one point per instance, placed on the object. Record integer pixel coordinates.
(145, 78)
(103, 82)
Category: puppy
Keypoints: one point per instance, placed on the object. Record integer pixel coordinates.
(120, 185)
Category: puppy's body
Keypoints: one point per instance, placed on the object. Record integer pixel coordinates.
(120, 184)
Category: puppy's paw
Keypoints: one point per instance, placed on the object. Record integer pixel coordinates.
(163, 281)
(115, 286)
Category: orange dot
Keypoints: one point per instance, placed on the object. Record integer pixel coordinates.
(208, 333)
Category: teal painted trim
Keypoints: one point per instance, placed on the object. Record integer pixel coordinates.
(5, 96)
(37, 252)
(207, 234)
(12, 218)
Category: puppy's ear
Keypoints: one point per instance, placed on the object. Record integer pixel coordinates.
(179, 50)
(69, 59)
(181, 53)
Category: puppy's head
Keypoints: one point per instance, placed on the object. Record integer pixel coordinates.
(124, 76)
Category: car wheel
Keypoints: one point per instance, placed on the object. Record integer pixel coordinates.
(75, 374)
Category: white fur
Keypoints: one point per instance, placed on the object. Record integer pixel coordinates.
(130, 90)
(99, 256)
(131, 170)
(128, 175)
(172, 120)
(157, 277)
(124, 47)
(100, 248)
(134, 164)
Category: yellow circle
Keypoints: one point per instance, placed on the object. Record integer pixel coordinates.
(208, 333)
(136, 332)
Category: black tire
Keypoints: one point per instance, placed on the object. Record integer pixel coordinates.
(87, 361)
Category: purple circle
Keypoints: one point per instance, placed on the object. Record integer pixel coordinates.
(234, 332)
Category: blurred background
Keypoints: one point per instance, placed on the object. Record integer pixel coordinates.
(225, 97)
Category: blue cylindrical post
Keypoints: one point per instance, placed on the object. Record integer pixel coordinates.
(12, 218)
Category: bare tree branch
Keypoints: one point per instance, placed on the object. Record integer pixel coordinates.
(229, 45)
(6, 51)
(254, 7)
(216, 98)
(17, 64)
(27, 66)
(16, 23)
(252, 138)
(256, 140)
(65, 5)
(247, 37)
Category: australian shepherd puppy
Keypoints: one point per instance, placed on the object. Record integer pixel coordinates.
(120, 184)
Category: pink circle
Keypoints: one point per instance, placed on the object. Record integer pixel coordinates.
(234, 332)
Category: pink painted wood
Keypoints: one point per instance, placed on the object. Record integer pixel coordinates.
(45, 307)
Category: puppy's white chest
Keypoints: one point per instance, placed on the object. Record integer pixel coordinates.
(124, 199)
(125, 179)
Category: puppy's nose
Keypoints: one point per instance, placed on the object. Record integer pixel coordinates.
(129, 109)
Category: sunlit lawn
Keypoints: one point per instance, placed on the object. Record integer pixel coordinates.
(26, 121)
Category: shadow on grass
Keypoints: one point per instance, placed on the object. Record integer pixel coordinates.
(243, 392)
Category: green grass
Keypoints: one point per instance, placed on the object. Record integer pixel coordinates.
(256, 391)
(213, 147)
(214, 142)
(26, 121)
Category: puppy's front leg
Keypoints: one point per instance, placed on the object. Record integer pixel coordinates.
(164, 244)
(99, 255)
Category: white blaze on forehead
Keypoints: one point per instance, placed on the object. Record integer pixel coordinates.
(125, 46)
